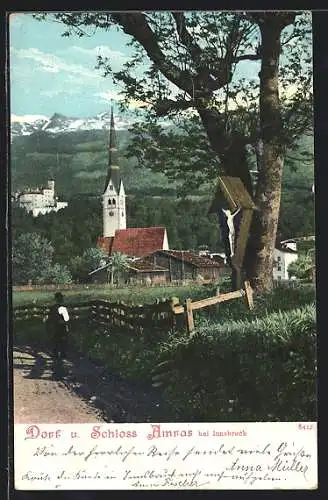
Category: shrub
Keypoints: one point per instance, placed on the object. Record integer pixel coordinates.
(260, 370)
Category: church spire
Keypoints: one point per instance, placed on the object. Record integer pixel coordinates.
(113, 173)
(112, 157)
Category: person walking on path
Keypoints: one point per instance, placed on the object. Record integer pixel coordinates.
(59, 322)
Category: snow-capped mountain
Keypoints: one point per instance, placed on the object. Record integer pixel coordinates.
(58, 123)
(27, 124)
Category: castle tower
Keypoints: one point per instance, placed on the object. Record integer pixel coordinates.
(113, 198)
(51, 184)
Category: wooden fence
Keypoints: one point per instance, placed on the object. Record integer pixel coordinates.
(134, 317)
(191, 306)
(77, 312)
(162, 316)
(114, 315)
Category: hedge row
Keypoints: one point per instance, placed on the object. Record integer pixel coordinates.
(259, 370)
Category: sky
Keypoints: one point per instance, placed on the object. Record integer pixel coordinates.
(54, 74)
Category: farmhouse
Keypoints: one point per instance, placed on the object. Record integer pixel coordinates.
(134, 242)
(284, 254)
(183, 265)
(164, 266)
(145, 272)
(137, 272)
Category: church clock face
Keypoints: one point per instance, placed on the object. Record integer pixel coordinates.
(111, 213)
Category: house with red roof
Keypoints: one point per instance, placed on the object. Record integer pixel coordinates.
(134, 242)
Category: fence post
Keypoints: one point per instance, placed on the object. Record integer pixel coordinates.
(189, 317)
(249, 295)
(174, 302)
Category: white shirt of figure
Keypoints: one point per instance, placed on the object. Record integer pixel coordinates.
(231, 227)
(63, 312)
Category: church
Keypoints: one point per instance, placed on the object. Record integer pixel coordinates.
(133, 242)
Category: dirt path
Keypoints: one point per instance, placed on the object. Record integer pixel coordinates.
(79, 391)
(43, 399)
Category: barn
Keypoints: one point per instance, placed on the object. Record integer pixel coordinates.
(145, 272)
(137, 272)
(183, 265)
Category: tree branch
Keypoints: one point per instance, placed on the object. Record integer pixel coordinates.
(136, 25)
(186, 38)
(278, 19)
(164, 106)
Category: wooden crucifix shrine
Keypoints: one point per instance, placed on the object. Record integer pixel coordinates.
(234, 207)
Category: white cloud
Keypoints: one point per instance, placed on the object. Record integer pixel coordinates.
(112, 95)
(101, 50)
(27, 118)
(54, 64)
(56, 91)
(109, 95)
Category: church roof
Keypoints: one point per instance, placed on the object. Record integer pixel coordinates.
(134, 241)
(138, 241)
(113, 175)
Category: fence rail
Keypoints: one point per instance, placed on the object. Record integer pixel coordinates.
(120, 315)
(163, 315)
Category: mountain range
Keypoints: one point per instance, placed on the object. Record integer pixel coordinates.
(58, 123)
(75, 152)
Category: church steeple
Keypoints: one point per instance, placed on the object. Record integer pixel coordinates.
(113, 173)
(113, 198)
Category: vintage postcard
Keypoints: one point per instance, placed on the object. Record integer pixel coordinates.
(163, 250)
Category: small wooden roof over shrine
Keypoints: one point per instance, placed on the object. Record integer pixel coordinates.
(231, 194)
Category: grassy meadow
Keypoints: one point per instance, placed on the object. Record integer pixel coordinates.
(129, 295)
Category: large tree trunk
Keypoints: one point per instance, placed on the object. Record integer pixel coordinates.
(232, 151)
(268, 192)
(230, 146)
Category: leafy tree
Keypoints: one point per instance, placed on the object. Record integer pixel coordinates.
(31, 259)
(82, 265)
(77, 269)
(93, 257)
(178, 67)
(58, 274)
(300, 268)
(118, 263)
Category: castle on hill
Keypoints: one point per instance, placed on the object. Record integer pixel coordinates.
(39, 201)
